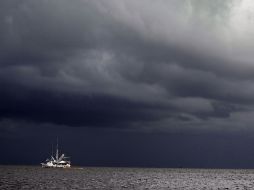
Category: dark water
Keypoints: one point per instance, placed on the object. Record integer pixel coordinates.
(27, 177)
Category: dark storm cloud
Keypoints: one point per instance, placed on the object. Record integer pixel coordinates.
(163, 64)
(77, 110)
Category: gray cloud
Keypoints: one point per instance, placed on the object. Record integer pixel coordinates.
(127, 64)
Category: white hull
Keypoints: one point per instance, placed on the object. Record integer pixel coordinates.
(43, 165)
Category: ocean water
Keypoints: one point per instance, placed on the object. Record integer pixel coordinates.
(27, 177)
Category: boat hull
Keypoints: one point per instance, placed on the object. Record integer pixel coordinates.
(45, 165)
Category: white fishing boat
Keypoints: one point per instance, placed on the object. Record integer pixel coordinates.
(57, 162)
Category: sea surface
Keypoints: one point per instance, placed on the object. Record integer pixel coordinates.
(28, 177)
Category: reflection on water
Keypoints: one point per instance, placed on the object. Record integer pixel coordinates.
(27, 177)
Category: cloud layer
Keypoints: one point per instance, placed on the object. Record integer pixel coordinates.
(128, 64)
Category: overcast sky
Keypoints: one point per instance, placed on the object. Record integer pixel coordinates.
(128, 69)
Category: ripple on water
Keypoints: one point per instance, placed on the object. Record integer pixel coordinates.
(27, 177)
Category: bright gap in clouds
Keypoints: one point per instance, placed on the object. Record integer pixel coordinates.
(242, 18)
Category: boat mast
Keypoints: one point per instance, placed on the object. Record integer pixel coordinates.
(57, 149)
(51, 150)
